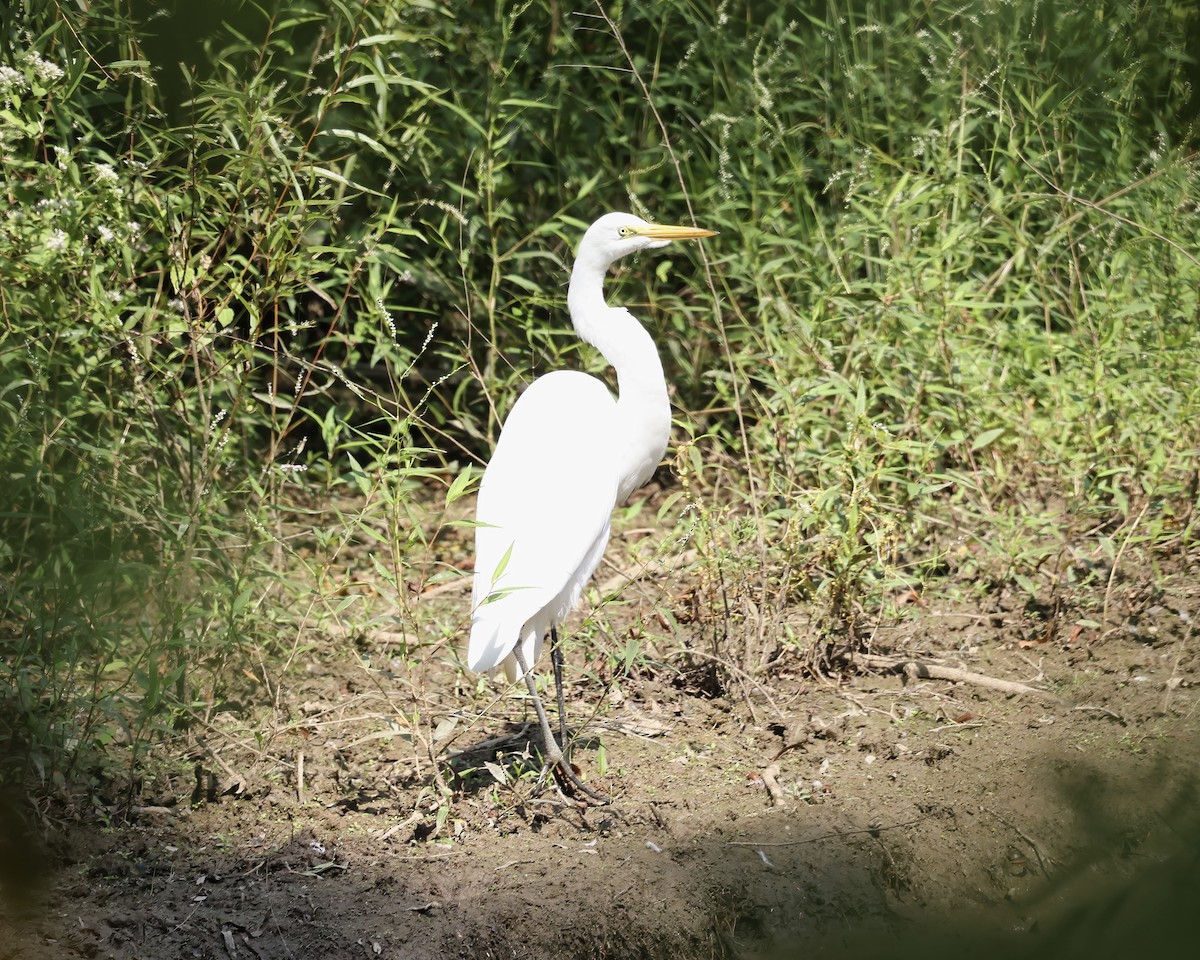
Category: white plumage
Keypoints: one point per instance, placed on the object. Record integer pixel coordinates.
(544, 509)
(568, 453)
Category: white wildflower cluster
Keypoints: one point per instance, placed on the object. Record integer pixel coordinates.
(387, 317)
(43, 69)
(293, 467)
(724, 124)
(1159, 148)
(11, 81)
(337, 372)
(428, 337)
(854, 175)
(446, 208)
(105, 174)
(105, 234)
(49, 205)
(57, 241)
(926, 144)
(687, 56)
(106, 177)
(858, 79)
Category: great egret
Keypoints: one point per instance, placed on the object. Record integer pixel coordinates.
(567, 455)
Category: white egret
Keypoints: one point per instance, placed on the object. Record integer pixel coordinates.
(567, 455)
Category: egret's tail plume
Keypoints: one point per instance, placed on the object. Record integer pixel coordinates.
(492, 642)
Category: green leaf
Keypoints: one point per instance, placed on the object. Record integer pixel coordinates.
(503, 564)
(461, 484)
(987, 438)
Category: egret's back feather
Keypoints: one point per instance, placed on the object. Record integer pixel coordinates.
(544, 511)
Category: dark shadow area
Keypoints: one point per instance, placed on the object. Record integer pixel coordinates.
(1131, 890)
(23, 863)
(599, 887)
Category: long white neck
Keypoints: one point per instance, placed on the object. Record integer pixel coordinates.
(643, 409)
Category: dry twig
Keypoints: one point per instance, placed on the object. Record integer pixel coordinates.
(923, 670)
(1091, 708)
(770, 778)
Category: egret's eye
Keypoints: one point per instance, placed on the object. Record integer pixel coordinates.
(625, 232)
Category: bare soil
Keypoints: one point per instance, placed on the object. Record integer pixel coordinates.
(872, 812)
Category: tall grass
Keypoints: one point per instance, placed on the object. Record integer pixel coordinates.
(181, 305)
(962, 260)
(948, 331)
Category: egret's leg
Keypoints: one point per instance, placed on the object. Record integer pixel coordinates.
(556, 658)
(554, 755)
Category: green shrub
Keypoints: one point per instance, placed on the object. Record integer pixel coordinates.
(180, 305)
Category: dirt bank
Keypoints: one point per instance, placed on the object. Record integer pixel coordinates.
(909, 814)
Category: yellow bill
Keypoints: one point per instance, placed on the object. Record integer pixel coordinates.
(660, 231)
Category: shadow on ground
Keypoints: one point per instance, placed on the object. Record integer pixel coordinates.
(958, 879)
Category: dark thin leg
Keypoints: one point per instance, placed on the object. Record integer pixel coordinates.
(554, 756)
(556, 658)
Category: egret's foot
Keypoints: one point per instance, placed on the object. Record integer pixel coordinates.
(568, 783)
(555, 760)
(571, 782)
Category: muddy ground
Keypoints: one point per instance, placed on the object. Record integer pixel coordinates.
(354, 807)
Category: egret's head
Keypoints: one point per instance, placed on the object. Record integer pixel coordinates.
(616, 234)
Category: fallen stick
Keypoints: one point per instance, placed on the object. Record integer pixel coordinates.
(922, 670)
(770, 777)
(1104, 710)
(300, 777)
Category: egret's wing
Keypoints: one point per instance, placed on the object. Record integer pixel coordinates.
(545, 501)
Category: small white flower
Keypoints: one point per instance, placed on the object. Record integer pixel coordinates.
(57, 241)
(44, 70)
(387, 317)
(12, 81)
(105, 173)
(106, 235)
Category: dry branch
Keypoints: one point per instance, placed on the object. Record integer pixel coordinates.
(770, 777)
(924, 670)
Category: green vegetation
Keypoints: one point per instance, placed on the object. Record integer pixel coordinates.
(256, 305)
